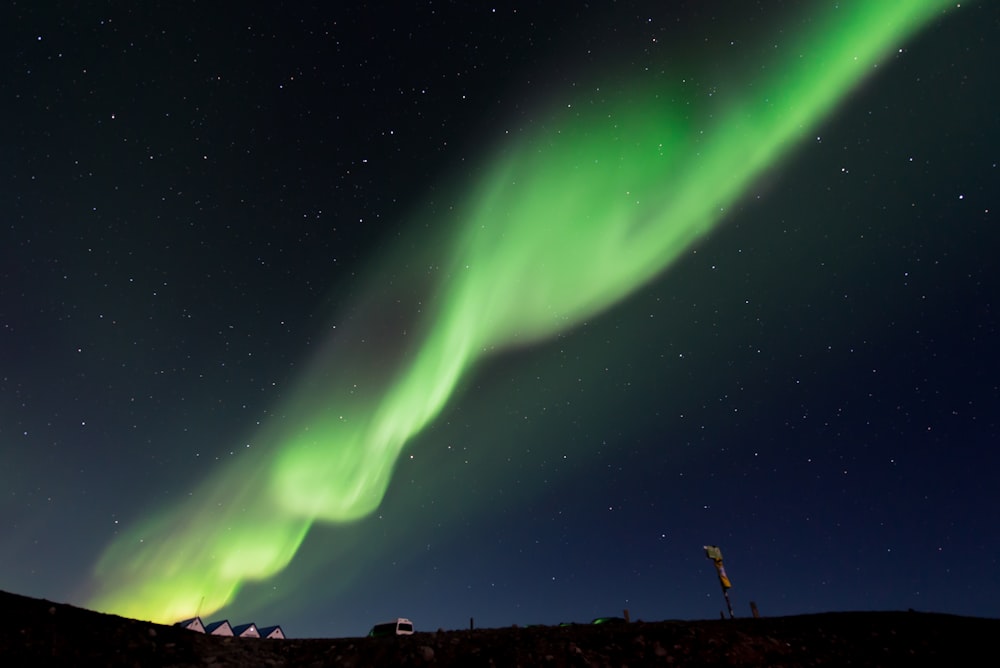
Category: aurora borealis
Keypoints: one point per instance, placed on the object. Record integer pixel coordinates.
(565, 227)
(606, 188)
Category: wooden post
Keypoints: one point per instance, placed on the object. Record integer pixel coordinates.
(627, 618)
(472, 624)
(754, 611)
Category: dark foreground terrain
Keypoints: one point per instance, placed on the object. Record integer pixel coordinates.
(36, 632)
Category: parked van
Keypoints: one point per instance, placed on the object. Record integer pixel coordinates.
(400, 627)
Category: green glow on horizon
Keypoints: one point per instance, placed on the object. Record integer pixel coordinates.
(564, 224)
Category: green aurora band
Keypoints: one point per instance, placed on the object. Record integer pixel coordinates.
(565, 223)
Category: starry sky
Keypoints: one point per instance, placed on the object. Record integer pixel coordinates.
(227, 225)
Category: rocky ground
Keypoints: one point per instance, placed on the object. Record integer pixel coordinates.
(38, 633)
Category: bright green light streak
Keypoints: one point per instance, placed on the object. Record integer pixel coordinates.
(565, 224)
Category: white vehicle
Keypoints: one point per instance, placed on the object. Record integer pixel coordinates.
(400, 627)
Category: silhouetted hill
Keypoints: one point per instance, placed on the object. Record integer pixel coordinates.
(39, 633)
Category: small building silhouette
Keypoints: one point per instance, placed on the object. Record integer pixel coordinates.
(246, 631)
(194, 624)
(219, 628)
(224, 628)
(273, 632)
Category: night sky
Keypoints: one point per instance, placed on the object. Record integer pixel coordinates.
(224, 226)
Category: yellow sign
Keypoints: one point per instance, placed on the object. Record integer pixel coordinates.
(715, 554)
(723, 578)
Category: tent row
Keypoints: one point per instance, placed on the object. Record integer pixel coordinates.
(224, 628)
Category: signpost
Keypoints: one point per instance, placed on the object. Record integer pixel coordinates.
(715, 554)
